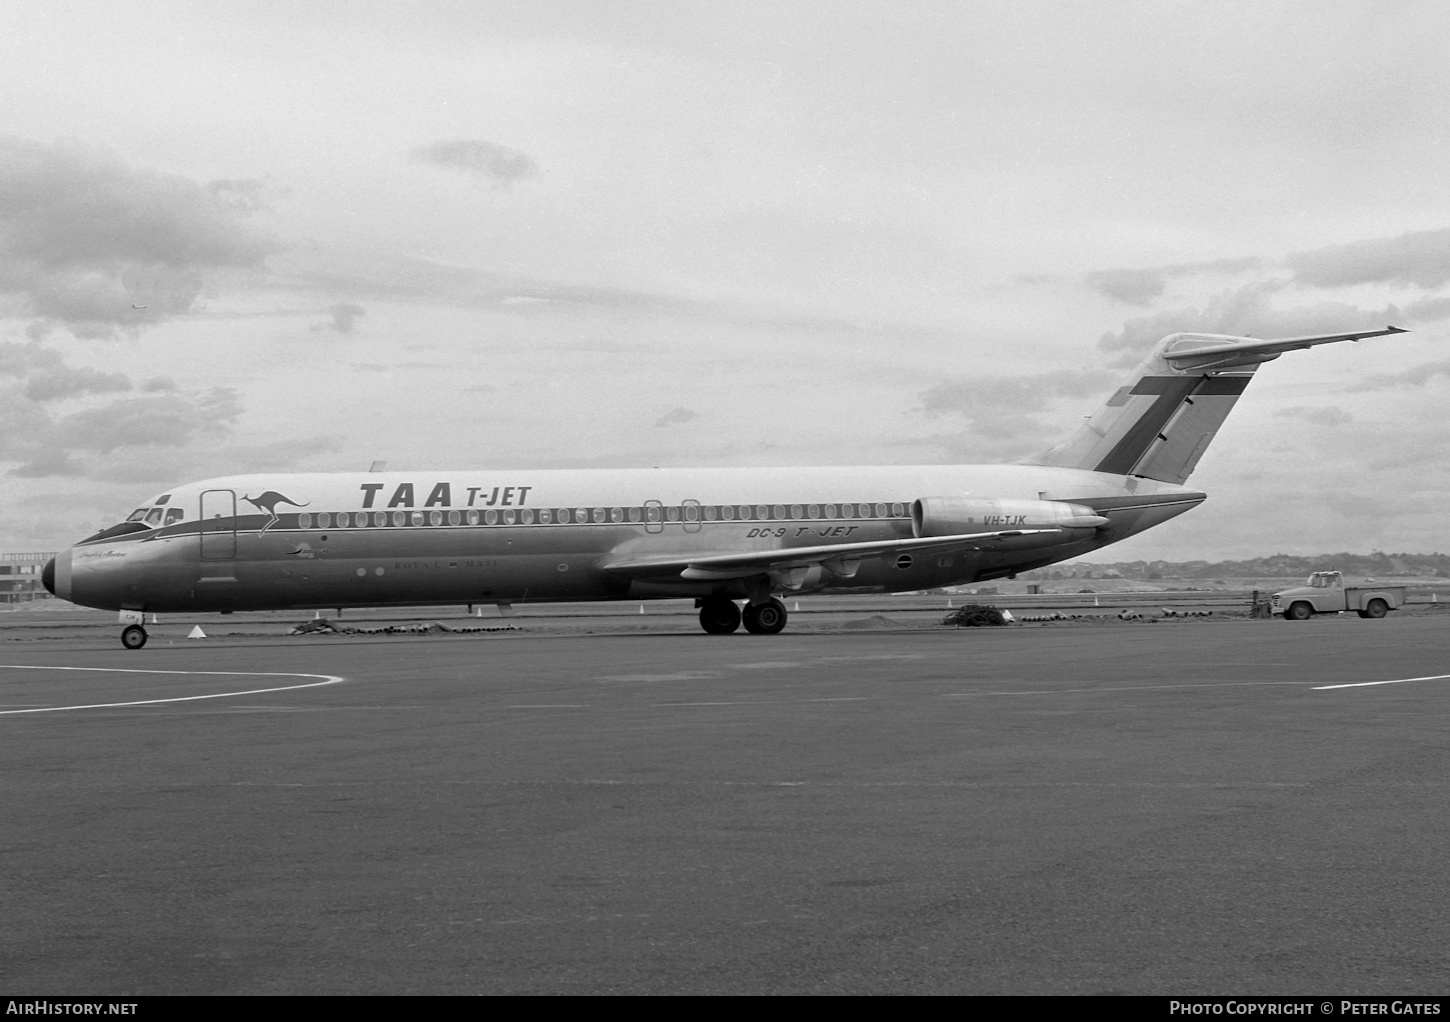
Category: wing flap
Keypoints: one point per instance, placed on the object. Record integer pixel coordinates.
(840, 558)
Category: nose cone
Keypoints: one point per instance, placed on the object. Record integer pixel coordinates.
(47, 576)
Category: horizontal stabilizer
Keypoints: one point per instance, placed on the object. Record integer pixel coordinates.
(1219, 351)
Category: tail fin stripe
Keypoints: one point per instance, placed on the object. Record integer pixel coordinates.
(1171, 391)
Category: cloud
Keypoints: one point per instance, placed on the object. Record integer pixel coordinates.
(46, 377)
(1000, 412)
(675, 415)
(1329, 416)
(52, 384)
(1420, 258)
(1135, 287)
(497, 164)
(1243, 311)
(344, 318)
(46, 444)
(104, 248)
(1141, 286)
(1427, 310)
(1415, 376)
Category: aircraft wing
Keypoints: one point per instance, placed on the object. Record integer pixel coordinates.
(840, 558)
(1210, 351)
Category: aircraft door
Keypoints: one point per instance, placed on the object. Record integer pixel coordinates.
(690, 515)
(654, 516)
(218, 525)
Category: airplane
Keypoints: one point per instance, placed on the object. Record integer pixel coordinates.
(733, 539)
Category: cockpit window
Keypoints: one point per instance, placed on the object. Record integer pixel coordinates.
(174, 515)
(153, 519)
(137, 515)
(163, 498)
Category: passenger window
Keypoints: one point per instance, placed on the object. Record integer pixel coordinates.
(709, 512)
(526, 515)
(814, 511)
(897, 510)
(796, 511)
(762, 513)
(380, 518)
(727, 512)
(616, 514)
(692, 513)
(830, 510)
(490, 517)
(435, 517)
(635, 514)
(304, 521)
(779, 510)
(880, 510)
(599, 514)
(544, 516)
(508, 517)
(324, 520)
(454, 518)
(473, 517)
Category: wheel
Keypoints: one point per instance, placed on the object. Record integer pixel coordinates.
(765, 618)
(133, 637)
(1376, 608)
(719, 617)
(1300, 611)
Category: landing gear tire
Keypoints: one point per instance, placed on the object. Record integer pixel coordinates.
(719, 617)
(133, 637)
(765, 618)
(1300, 611)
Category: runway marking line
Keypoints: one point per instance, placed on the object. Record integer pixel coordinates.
(1392, 681)
(328, 679)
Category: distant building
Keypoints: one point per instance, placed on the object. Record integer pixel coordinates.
(20, 577)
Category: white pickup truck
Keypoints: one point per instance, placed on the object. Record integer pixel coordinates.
(1326, 593)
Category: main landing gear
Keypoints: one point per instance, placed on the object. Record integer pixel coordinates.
(133, 636)
(719, 616)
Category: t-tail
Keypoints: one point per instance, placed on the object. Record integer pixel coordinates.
(1159, 424)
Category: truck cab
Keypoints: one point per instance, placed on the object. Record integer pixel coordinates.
(1324, 592)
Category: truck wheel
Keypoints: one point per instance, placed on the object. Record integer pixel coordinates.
(1376, 608)
(1300, 611)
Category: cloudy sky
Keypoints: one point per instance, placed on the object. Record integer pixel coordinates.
(272, 236)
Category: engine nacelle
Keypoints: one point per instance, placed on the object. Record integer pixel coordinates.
(953, 516)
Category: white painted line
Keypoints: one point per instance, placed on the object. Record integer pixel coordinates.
(549, 706)
(1393, 681)
(328, 679)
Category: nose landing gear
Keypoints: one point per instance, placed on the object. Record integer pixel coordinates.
(133, 636)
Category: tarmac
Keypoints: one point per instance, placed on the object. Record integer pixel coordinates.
(1178, 807)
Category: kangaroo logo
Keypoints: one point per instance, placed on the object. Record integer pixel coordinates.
(268, 502)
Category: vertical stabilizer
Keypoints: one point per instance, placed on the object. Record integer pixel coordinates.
(1159, 424)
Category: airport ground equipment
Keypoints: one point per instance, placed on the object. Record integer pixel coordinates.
(1325, 593)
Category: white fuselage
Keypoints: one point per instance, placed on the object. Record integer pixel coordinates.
(433, 537)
